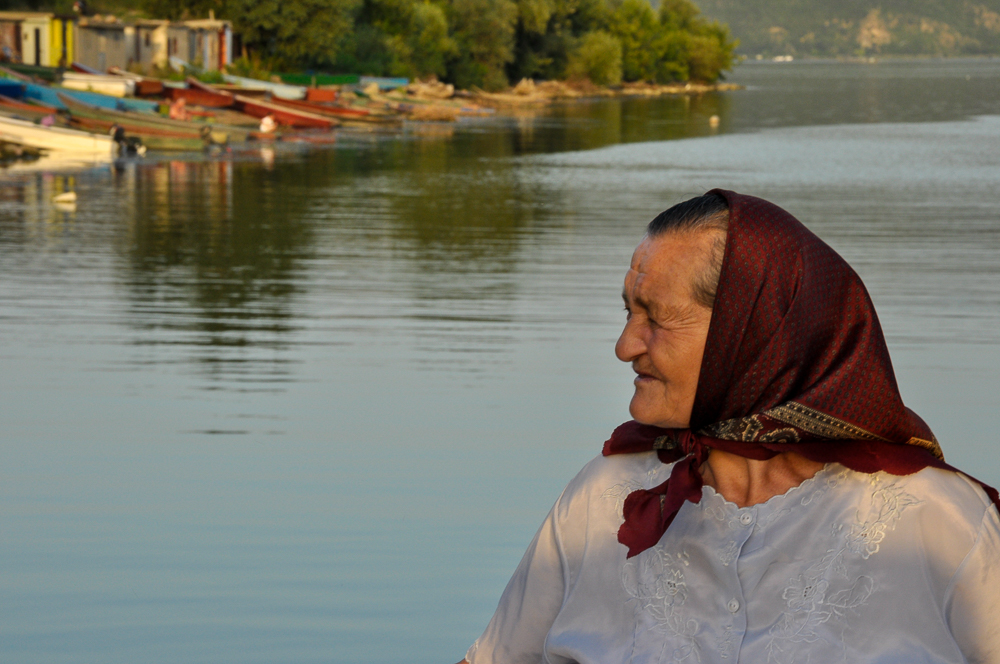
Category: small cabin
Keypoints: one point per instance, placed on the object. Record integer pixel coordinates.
(210, 43)
(101, 43)
(25, 37)
(150, 43)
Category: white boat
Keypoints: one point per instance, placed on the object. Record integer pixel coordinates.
(115, 86)
(57, 139)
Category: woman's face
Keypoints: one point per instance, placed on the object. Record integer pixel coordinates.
(666, 328)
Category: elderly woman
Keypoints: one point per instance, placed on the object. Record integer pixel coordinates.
(773, 500)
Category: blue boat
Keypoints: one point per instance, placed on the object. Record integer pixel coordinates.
(384, 82)
(12, 89)
(50, 96)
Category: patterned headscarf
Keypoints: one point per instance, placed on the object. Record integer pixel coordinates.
(795, 361)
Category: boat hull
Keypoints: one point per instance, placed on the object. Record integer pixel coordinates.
(56, 139)
(283, 115)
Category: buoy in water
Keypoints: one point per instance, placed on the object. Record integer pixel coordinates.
(713, 121)
(68, 197)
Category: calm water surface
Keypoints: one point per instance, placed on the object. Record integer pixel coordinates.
(310, 406)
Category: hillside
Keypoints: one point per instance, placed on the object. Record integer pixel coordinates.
(860, 28)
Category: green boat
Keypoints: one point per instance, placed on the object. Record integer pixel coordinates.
(218, 133)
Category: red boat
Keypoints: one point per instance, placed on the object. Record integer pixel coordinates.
(321, 94)
(200, 94)
(144, 87)
(284, 115)
(322, 109)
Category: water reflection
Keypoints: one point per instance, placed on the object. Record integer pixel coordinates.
(213, 254)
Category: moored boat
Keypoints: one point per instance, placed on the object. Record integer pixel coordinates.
(144, 85)
(56, 139)
(149, 120)
(50, 96)
(27, 111)
(284, 115)
(113, 86)
(277, 89)
(202, 95)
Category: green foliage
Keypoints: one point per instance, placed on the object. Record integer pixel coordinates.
(176, 10)
(299, 33)
(429, 44)
(598, 57)
(483, 31)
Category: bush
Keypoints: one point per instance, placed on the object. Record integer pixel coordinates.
(597, 57)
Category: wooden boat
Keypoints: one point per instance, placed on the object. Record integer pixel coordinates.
(51, 96)
(27, 111)
(220, 133)
(153, 139)
(277, 89)
(321, 95)
(11, 89)
(113, 86)
(284, 115)
(383, 82)
(56, 139)
(144, 86)
(81, 68)
(240, 90)
(202, 95)
(323, 109)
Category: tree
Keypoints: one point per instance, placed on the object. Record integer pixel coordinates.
(598, 57)
(295, 33)
(483, 31)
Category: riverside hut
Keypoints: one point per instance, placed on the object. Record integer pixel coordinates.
(150, 45)
(25, 37)
(210, 42)
(101, 43)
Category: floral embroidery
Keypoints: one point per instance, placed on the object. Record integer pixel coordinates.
(887, 504)
(810, 602)
(729, 554)
(655, 579)
(620, 492)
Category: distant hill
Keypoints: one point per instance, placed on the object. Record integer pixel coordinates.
(858, 28)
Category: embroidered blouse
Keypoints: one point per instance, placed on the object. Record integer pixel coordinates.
(847, 567)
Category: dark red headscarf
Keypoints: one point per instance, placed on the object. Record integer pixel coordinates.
(795, 361)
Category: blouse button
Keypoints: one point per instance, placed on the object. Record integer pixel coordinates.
(746, 518)
(733, 606)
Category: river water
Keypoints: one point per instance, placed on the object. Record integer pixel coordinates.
(292, 405)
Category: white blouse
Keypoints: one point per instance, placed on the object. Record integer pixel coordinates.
(847, 567)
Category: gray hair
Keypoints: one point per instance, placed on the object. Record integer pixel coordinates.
(708, 213)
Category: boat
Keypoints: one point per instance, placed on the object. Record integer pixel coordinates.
(27, 111)
(218, 133)
(383, 82)
(144, 86)
(277, 89)
(152, 139)
(51, 96)
(323, 109)
(202, 95)
(11, 89)
(284, 115)
(113, 86)
(56, 139)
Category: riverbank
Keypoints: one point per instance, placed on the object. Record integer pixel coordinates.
(529, 92)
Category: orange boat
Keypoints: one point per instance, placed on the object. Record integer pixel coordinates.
(322, 109)
(284, 115)
(201, 95)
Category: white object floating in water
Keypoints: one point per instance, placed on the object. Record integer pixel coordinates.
(68, 197)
